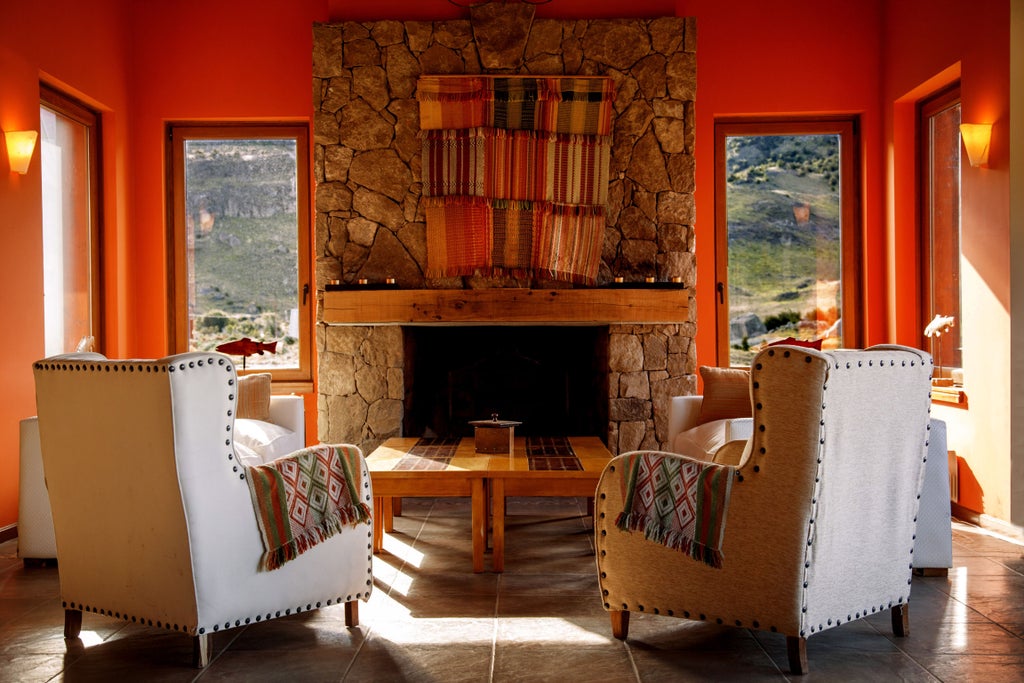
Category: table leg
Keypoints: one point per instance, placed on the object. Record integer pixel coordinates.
(378, 524)
(396, 507)
(479, 514)
(388, 515)
(498, 496)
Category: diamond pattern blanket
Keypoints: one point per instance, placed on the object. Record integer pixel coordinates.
(304, 498)
(677, 502)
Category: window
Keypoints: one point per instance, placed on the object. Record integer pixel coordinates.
(69, 153)
(940, 230)
(241, 232)
(786, 226)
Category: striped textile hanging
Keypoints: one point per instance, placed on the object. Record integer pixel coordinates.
(485, 162)
(557, 104)
(460, 235)
(569, 244)
(515, 174)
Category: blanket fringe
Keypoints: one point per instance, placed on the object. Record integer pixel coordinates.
(330, 526)
(653, 530)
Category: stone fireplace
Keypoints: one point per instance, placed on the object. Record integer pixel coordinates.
(370, 227)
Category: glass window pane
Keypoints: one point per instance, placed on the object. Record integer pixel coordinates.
(67, 230)
(784, 215)
(943, 234)
(241, 216)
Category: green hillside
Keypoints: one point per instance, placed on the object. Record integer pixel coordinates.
(784, 231)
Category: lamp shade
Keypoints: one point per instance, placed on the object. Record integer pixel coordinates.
(20, 146)
(976, 137)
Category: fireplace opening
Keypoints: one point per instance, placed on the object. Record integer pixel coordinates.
(553, 379)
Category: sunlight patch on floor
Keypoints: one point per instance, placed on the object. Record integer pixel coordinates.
(403, 551)
(980, 531)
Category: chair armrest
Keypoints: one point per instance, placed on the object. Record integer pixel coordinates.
(683, 412)
(738, 429)
(289, 412)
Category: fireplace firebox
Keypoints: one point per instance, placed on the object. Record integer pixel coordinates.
(554, 379)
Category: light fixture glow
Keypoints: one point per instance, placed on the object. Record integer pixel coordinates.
(20, 146)
(976, 137)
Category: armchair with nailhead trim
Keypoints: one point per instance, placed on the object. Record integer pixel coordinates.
(820, 522)
(152, 513)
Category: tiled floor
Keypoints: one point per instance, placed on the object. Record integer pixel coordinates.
(431, 619)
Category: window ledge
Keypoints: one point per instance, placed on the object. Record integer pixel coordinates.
(292, 387)
(953, 395)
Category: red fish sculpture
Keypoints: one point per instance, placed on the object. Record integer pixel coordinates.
(246, 347)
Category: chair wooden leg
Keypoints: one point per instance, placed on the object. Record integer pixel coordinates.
(352, 613)
(901, 620)
(201, 651)
(72, 623)
(620, 623)
(796, 649)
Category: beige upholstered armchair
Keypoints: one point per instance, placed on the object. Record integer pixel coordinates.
(813, 529)
(156, 518)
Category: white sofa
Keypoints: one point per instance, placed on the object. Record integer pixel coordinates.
(933, 547)
(256, 442)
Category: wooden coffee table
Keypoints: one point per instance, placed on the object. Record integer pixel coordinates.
(397, 472)
(517, 479)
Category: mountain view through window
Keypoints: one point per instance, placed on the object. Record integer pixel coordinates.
(241, 220)
(784, 228)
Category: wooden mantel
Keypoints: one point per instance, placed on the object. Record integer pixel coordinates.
(594, 306)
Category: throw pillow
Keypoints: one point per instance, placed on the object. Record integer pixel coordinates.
(254, 396)
(793, 341)
(726, 394)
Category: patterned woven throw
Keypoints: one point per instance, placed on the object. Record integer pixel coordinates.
(678, 502)
(304, 498)
(558, 104)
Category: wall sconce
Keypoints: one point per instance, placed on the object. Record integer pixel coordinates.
(20, 146)
(976, 137)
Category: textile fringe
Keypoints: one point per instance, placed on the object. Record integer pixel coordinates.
(670, 538)
(330, 526)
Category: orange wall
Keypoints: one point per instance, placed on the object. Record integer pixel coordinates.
(84, 48)
(969, 42)
(796, 58)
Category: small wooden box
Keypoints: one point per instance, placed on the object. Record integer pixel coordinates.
(494, 435)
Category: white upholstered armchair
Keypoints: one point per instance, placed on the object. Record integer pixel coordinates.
(153, 515)
(813, 529)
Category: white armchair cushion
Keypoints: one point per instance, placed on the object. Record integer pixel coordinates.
(266, 439)
(703, 441)
(247, 456)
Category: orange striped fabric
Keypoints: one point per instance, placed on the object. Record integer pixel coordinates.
(558, 104)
